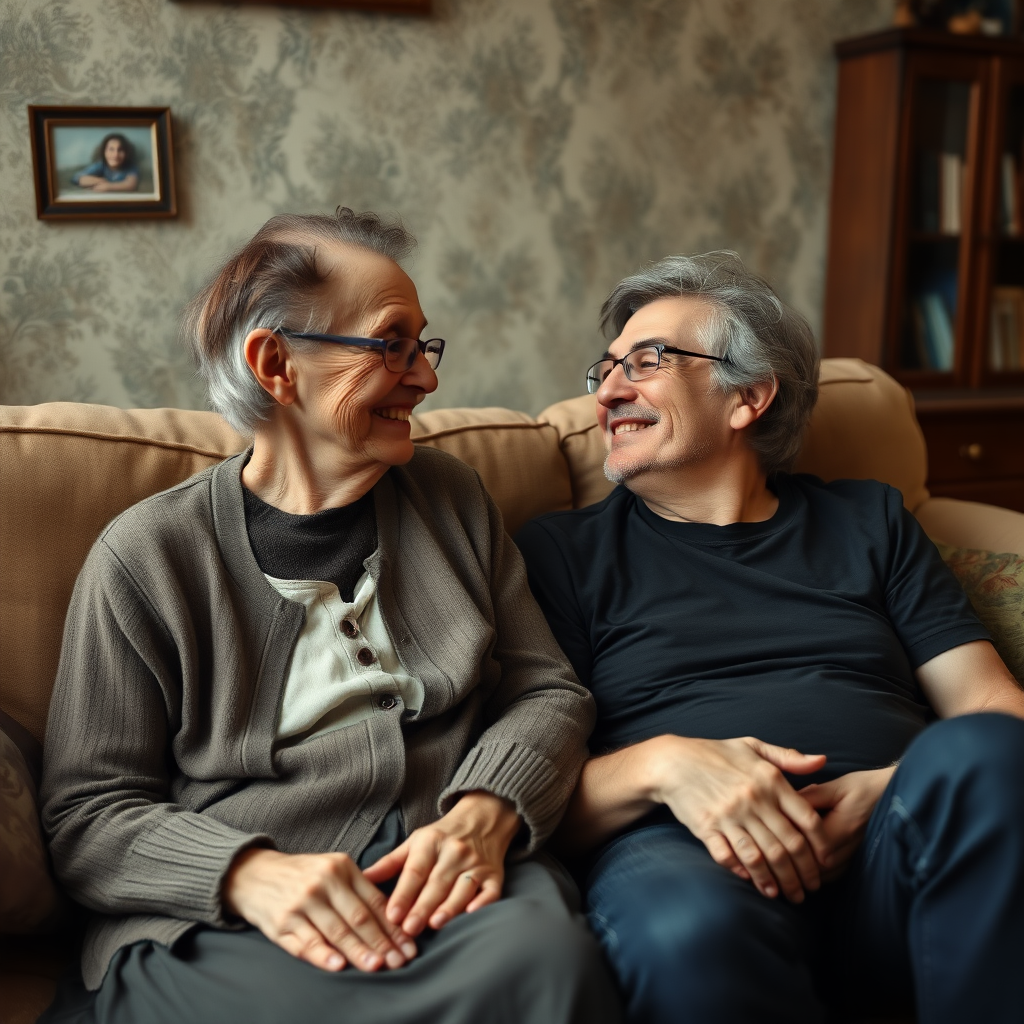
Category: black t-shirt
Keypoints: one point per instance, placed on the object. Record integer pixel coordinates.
(803, 630)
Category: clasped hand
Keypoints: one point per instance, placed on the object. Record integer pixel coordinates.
(733, 796)
(323, 909)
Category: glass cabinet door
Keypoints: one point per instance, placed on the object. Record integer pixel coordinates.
(934, 231)
(1003, 356)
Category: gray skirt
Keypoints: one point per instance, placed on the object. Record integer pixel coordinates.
(527, 959)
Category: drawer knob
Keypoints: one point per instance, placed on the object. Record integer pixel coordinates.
(974, 452)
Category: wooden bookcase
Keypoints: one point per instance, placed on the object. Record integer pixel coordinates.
(926, 243)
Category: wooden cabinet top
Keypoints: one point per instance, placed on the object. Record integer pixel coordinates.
(929, 39)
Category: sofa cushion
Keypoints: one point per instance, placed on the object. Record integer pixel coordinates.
(68, 470)
(863, 427)
(517, 457)
(29, 901)
(995, 584)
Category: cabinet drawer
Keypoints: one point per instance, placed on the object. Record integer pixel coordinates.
(974, 446)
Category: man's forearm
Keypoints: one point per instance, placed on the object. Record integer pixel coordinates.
(614, 790)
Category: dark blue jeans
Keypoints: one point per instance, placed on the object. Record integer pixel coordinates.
(929, 915)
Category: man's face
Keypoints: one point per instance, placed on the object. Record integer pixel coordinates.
(676, 416)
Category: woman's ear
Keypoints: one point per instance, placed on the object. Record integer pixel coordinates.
(753, 402)
(271, 364)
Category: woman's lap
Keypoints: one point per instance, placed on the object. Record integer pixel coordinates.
(527, 958)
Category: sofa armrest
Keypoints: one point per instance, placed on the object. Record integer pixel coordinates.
(969, 524)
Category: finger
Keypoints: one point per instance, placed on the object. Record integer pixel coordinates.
(438, 888)
(778, 859)
(304, 942)
(788, 759)
(462, 892)
(797, 847)
(490, 892)
(389, 865)
(752, 859)
(808, 820)
(821, 796)
(355, 925)
(339, 934)
(415, 872)
(378, 904)
(722, 853)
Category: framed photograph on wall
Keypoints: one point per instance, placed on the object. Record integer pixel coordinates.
(102, 162)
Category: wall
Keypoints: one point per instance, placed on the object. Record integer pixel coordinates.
(539, 149)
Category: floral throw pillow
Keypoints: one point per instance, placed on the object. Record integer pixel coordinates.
(995, 584)
(29, 900)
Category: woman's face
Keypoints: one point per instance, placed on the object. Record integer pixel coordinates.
(345, 393)
(114, 154)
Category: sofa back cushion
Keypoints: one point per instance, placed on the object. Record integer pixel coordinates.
(862, 427)
(68, 469)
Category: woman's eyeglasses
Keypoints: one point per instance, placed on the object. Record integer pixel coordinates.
(398, 353)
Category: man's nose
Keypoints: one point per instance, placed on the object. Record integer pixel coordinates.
(616, 388)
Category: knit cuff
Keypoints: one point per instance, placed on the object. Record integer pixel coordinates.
(519, 774)
(179, 866)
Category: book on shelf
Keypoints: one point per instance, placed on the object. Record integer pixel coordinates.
(941, 192)
(1006, 329)
(932, 315)
(1011, 195)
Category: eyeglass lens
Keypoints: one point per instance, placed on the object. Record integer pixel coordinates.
(640, 363)
(400, 353)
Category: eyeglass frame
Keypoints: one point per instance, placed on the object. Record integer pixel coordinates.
(377, 343)
(659, 347)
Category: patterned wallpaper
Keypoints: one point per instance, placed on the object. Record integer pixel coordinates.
(539, 149)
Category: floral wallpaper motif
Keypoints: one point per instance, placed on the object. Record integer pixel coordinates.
(540, 150)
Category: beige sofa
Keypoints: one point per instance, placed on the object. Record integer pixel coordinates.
(67, 469)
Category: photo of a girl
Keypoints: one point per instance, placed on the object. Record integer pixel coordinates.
(113, 169)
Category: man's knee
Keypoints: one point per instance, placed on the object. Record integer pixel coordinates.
(981, 751)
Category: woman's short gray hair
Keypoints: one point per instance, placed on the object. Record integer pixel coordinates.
(276, 280)
(759, 334)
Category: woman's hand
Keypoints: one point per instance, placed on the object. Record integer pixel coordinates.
(318, 907)
(456, 864)
(849, 801)
(732, 795)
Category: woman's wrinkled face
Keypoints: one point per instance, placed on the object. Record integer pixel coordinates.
(345, 393)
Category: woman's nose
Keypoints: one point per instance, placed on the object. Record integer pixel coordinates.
(421, 374)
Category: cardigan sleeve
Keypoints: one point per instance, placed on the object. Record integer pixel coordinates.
(119, 842)
(538, 716)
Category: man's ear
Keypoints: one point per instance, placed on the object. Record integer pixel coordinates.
(271, 364)
(753, 402)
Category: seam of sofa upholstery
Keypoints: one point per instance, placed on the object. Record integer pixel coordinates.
(447, 431)
(129, 438)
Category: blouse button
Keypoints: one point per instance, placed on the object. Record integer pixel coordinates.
(365, 656)
(348, 627)
(386, 702)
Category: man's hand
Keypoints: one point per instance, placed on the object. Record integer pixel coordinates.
(732, 795)
(456, 864)
(849, 801)
(318, 907)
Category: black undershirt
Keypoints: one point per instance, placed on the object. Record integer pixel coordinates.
(331, 546)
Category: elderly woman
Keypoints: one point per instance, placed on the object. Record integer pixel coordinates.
(308, 672)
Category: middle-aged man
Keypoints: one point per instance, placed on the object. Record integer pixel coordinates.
(775, 821)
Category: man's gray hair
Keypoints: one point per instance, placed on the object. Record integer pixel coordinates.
(760, 336)
(277, 280)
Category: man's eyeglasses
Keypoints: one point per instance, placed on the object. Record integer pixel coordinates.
(639, 363)
(398, 353)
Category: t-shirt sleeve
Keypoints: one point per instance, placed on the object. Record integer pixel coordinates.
(926, 604)
(552, 585)
(94, 169)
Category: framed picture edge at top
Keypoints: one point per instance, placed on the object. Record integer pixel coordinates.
(372, 6)
(57, 200)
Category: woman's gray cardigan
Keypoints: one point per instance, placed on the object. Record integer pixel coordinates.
(160, 757)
